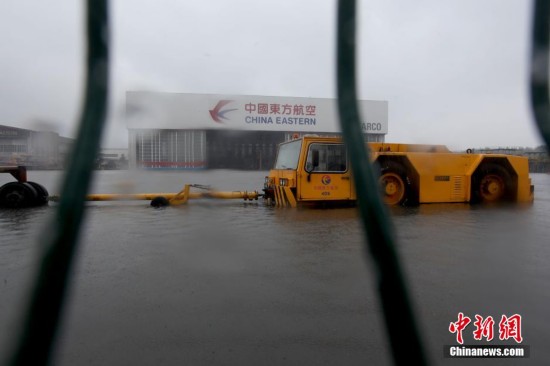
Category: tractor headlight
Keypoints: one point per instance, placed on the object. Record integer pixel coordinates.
(268, 182)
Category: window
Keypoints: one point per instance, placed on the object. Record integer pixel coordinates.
(288, 156)
(13, 148)
(326, 158)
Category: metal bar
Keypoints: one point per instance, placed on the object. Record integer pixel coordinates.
(290, 197)
(540, 98)
(149, 196)
(18, 172)
(379, 242)
(181, 198)
(46, 301)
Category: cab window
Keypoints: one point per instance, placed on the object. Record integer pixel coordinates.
(326, 158)
(288, 156)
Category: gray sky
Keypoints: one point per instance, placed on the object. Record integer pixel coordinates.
(454, 72)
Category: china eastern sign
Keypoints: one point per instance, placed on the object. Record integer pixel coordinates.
(146, 110)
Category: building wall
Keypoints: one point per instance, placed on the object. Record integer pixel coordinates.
(34, 149)
(45, 149)
(145, 110)
(250, 150)
(14, 145)
(167, 149)
(196, 131)
(212, 149)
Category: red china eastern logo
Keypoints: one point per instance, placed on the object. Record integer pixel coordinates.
(218, 113)
(325, 180)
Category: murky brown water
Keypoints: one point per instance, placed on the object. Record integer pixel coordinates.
(227, 282)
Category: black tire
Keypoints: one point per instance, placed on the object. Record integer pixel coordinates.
(17, 195)
(491, 184)
(395, 185)
(160, 201)
(41, 192)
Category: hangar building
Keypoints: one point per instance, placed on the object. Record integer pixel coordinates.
(197, 131)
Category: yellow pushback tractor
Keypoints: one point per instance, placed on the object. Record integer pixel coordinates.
(316, 170)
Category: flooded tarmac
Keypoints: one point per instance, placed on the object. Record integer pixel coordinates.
(241, 283)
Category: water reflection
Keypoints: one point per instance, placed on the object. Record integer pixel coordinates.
(19, 223)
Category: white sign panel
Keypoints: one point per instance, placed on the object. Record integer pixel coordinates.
(151, 110)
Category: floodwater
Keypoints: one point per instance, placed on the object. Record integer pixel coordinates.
(235, 283)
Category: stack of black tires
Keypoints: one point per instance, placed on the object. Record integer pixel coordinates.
(22, 194)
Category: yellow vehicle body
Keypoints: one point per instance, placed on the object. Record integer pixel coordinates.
(317, 170)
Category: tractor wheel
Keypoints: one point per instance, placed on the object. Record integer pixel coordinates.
(493, 184)
(394, 184)
(159, 202)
